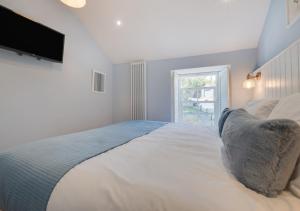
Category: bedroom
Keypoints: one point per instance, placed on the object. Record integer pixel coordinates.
(149, 105)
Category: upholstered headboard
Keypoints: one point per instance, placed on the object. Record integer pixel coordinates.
(281, 75)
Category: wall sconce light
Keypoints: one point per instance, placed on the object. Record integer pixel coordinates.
(251, 80)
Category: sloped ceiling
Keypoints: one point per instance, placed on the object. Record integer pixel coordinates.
(160, 29)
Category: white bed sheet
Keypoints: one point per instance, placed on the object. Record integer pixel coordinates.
(175, 168)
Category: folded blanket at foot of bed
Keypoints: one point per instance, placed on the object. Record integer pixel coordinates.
(29, 173)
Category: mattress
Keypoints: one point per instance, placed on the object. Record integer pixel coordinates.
(177, 167)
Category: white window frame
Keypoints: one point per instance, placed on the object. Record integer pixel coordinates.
(199, 70)
(94, 71)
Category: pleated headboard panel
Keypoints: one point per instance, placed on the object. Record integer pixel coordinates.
(281, 75)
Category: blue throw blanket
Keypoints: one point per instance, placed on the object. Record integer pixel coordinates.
(28, 174)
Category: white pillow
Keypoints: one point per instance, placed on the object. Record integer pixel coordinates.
(261, 108)
(294, 185)
(287, 108)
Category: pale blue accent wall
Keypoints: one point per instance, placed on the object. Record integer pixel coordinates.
(276, 36)
(159, 82)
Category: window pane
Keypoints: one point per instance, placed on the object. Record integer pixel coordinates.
(197, 99)
(199, 112)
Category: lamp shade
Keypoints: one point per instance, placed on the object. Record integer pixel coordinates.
(74, 3)
(249, 84)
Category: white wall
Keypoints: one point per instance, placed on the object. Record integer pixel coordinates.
(41, 99)
(159, 82)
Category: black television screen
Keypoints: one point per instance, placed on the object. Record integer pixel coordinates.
(26, 36)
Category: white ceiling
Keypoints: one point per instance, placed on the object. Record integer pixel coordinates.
(160, 29)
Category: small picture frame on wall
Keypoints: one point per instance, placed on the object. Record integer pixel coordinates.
(293, 11)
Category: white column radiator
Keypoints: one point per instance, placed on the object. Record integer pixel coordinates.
(138, 91)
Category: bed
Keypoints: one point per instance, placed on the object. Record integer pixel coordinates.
(175, 167)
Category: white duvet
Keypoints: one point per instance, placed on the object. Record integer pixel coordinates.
(175, 168)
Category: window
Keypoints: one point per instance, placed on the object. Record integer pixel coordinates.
(200, 94)
(98, 81)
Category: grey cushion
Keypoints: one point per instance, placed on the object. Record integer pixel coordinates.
(261, 154)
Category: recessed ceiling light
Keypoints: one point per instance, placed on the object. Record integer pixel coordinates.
(74, 3)
(119, 23)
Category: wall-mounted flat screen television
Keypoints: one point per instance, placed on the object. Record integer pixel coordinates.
(25, 36)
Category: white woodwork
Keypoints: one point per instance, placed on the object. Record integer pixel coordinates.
(281, 75)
